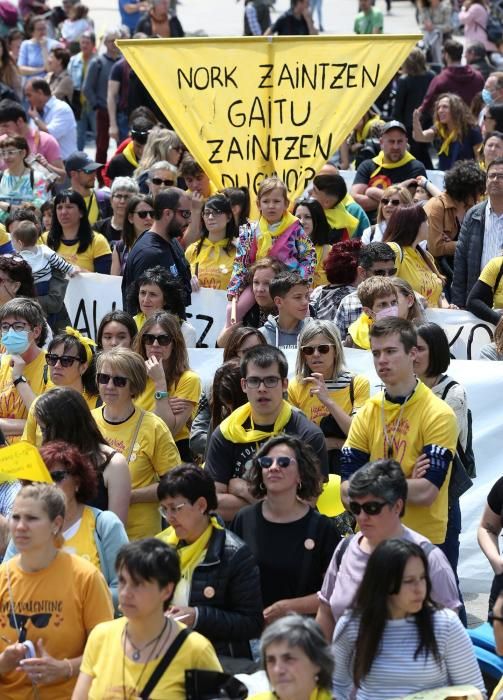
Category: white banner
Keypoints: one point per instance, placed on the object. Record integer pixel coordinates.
(466, 333)
(89, 296)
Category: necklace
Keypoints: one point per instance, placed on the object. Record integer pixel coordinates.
(136, 656)
(138, 650)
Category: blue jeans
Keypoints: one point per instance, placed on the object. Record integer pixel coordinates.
(86, 123)
(123, 124)
(450, 547)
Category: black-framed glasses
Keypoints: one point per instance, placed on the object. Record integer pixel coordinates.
(163, 339)
(370, 508)
(59, 475)
(143, 214)
(184, 213)
(212, 212)
(269, 382)
(491, 617)
(17, 326)
(282, 461)
(64, 360)
(161, 181)
(323, 349)
(118, 382)
(394, 202)
(121, 196)
(385, 273)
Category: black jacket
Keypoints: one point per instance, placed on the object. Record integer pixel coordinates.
(225, 589)
(468, 256)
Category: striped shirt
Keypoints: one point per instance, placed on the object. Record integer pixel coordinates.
(394, 672)
(493, 235)
(44, 262)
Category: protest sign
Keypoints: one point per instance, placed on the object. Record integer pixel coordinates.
(23, 461)
(251, 107)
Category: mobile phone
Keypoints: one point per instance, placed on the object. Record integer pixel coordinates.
(30, 652)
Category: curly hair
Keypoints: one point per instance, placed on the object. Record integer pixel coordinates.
(461, 117)
(308, 465)
(341, 263)
(18, 270)
(171, 288)
(77, 464)
(464, 179)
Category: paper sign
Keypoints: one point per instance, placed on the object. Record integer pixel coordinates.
(22, 461)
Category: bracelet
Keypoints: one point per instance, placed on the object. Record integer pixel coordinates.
(70, 667)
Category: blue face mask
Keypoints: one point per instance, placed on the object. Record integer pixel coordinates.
(15, 342)
(487, 98)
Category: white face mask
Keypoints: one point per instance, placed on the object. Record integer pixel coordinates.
(390, 311)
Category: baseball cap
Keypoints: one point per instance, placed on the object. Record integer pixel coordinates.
(394, 124)
(81, 161)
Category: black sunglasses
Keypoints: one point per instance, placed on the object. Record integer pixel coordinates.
(323, 349)
(394, 202)
(103, 378)
(64, 360)
(161, 181)
(163, 339)
(370, 508)
(59, 475)
(267, 462)
(145, 213)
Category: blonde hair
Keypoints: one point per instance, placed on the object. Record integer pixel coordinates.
(404, 288)
(269, 184)
(130, 364)
(52, 501)
(159, 143)
(404, 196)
(374, 288)
(331, 333)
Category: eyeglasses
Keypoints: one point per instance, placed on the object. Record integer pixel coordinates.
(59, 475)
(283, 462)
(117, 381)
(159, 181)
(212, 212)
(323, 349)
(394, 202)
(385, 273)
(185, 213)
(370, 508)
(17, 326)
(64, 360)
(268, 382)
(495, 176)
(143, 214)
(164, 339)
(123, 197)
(167, 511)
(9, 152)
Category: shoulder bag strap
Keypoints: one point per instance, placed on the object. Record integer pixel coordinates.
(135, 435)
(164, 663)
(498, 279)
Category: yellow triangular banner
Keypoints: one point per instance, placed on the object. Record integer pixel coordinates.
(252, 106)
(22, 461)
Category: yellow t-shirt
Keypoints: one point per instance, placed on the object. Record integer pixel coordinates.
(11, 403)
(99, 247)
(4, 236)
(188, 387)
(413, 269)
(214, 263)
(154, 453)
(320, 276)
(299, 396)
(32, 432)
(93, 210)
(105, 662)
(489, 275)
(66, 600)
(82, 542)
(425, 420)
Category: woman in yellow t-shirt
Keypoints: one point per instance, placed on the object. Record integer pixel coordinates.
(486, 298)
(69, 362)
(72, 237)
(406, 230)
(148, 573)
(140, 436)
(328, 394)
(211, 258)
(173, 390)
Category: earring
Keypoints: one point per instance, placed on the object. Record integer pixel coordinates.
(299, 486)
(262, 486)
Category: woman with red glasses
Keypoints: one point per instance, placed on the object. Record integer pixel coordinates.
(173, 389)
(140, 436)
(323, 388)
(393, 198)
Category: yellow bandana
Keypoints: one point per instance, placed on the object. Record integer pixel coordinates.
(447, 137)
(88, 343)
(359, 331)
(339, 217)
(190, 554)
(379, 161)
(211, 249)
(264, 241)
(232, 427)
(130, 155)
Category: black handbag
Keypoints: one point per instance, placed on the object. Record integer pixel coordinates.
(207, 685)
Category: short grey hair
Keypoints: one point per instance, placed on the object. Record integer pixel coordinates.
(125, 183)
(305, 633)
(383, 479)
(162, 165)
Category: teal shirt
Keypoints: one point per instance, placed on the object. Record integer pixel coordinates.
(366, 23)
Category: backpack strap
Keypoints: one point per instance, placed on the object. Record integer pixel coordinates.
(447, 388)
(352, 392)
(498, 279)
(164, 663)
(341, 551)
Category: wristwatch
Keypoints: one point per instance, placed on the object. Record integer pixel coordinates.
(20, 380)
(161, 395)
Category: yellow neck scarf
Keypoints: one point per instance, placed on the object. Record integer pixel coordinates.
(379, 161)
(190, 554)
(232, 427)
(130, 155)
(359, 331)
(339, 217)
(447, 137)
(211, 248)
(264, 241)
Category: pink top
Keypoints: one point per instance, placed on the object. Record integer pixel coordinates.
(475, 21)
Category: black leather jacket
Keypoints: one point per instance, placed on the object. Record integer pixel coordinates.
(225, 589)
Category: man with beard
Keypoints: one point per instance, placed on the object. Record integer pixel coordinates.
(81, 169)
(160, 245)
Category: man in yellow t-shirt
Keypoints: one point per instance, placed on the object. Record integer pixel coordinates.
(23, 328)
(405, 422)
